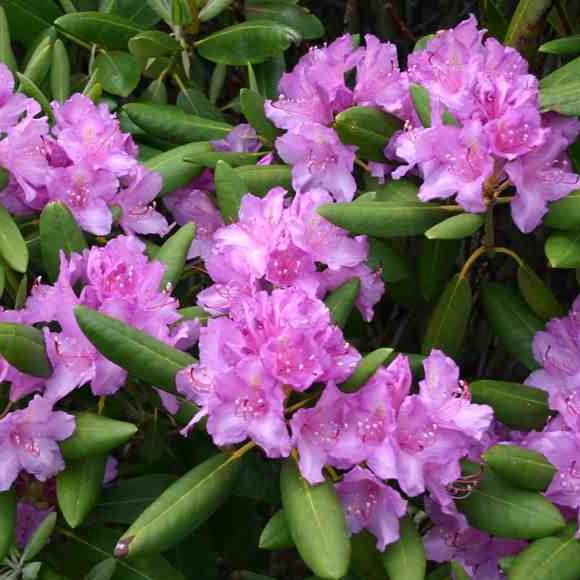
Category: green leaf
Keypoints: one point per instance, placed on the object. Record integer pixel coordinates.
(136, 11)
(7, 521)
(260, 179)
(366, 368)
(170, 123)
(517, 406)
(194, 312)
(38, 64)
(524, 468)
(104, 570)
(563, 99)
(422, 103)
(95, 435)
(252, 105)
(78, 488)
(30, 18)
(60, 72)
(2, 280)
(39, 538)
(173, 253)
(512, 321)
(268, 75)
(155, 93)
(212, 9)
(12, 245)
(296, 17)
(458, 571)
(389, 261)
(459, 226)
(537, 295)
(124, 502)
(276, 535)
(565, 213)
(317, 523)
(568, 45)
(562, 76)
(502, 510)
(233, 159)
(181, 12)
(59, 232)
(341, 301)
(249, 42)
(437, 261)
(495, 20)
(177, 172)
(563, 249)
(194, 101)
(546, 559)
(406, 557)
(182, 508)
(105, 30)
(217, 81)
(118, 72)
(23, 347)
(6, 53)
(368, 128)
(526, 24)
(230, 189)
(31, 89)
(384, 219)
(143, 356)
(449, 319)
(152, 43)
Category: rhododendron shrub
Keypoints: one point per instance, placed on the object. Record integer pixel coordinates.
(274, 312)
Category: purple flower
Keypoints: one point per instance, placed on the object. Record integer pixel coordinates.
(241, 139)
(318, 159)
(13, 106)
(28, 518)
(370, 504)
(29, 441)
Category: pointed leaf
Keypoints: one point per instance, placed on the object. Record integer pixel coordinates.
(118, 72)
(173, 253)
(563, 249)
(422, 103)
(437, 262)
(537, 295)
(182, 508)
(28, 87)
(252, 105)
(60, 73)
(517, 406)
(29, 18)
(567, 45)
(406, 557)
(565, 74)
(23, 347)
(39, 538)
(12, 245)
(230, 189)
(212, 9)
(367, 367)
(288, 13)
(276, 535)
(260, 179)
(233, 159)
(563, 99)
(458, 571)
(7, 522)
(526, 24)
(95, 435)
(153, 43)
(194, 101)
(459, 226)
(341, 301)
(104, 570)
(384, 257)
(565, 213)
(6, 53)
(38, 64)
(143, 356)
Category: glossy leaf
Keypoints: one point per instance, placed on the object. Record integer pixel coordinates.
(369, 129)
(38, 64)
(213, 8)
(105, 30)
(60, 73)
(31, 89)
(276, 535)
(152, 43)
(172, 124)
(384, 219)
(173, 253)
(182, 508)
(252, 105)
(517, 406)
(194, 312)
(563, 249)
(194, 101)
(95, 435)
(143, 356)
(7, 521)
(317, 523)
(23, 347)
(496, 507)
(78, 488)
(249, 42)
(59, 232)
(230, 189)
(39, 538)
(449, 318)
(366, 368)
(537, 294)
(12, 245)
(422, 103)
(118, 72)
(526, 24)
(174, 168)
(567, 45)
(406, 557)
(137, 11)
(233, 159)
(29, 18)
(512, 321)
(565, 74)
(459, 226)
(524, 468)
(341, 301)
(6, 52)
(565, 213)
(260, 179)
(155, 93)
(563, 99)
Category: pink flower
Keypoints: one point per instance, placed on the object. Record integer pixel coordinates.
(28, 518)
(370, 504)
(29, 441)
(241, 139)
(13, 106)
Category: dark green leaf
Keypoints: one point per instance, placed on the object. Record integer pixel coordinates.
(563, 249)
(366, 368)
(155, 93)
(104, 570)
(194, 101)
(268, 75)
(181, 12)
(317, 523)
(365, 559)
(12, 245)
(217, 81)
(276, 535)
(249, 42)
(517, 406)
(38, 64)
(563, 99)
(213, 8)
(565, 74)
(6, 53)
(390, 262)
(31, 89)
(60, 72)
(78, 488)
(118, 72)
(141, 355)
(59, 232)
(296, 17)
(565, 214)
(173, 253)
(406, 557)
(233, 159)
(153, 43)
(526, 25)
(422, 103)
(501, 510)
(137, 11)
(341, 301)
(537, 295)
(437, 260)
(230, 189)
(39, 538)
(29, 18)
(512, 321)
(23, 347)
(7, 522)
(260, 179)
(96, 435)
(367, 128)
(568, 45)
(449, 318)
(456, 227)
(252, 104)
(458, 571)
(182, 508)
(524, 468)
(105, 30)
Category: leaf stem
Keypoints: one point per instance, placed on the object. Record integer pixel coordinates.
(239, 453)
